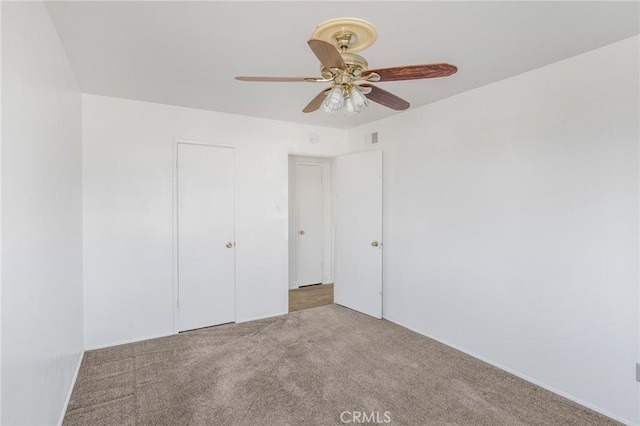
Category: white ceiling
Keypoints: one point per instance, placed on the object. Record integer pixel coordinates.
(188, 53)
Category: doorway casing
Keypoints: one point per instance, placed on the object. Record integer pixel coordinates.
(328, 171)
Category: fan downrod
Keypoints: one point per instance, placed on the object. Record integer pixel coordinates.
(344, 39)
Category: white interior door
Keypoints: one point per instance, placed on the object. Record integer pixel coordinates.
(309, 196)
(358, 232)
(206, 227)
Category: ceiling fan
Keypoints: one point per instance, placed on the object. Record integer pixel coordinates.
(334, 43)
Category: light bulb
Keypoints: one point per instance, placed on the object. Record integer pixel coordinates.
(333, 101)
(360, 102)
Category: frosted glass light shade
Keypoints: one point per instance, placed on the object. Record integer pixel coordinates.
(346, 97)
(349, 107)
(360, 101)
(334, 100)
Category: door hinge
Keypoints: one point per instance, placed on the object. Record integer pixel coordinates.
(637, 371)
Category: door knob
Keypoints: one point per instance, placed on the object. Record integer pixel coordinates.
(229, 244)
(301, 232)
(375, 244)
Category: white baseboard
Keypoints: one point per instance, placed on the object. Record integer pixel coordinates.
(522, 376)
(124, 342)
(73, 385)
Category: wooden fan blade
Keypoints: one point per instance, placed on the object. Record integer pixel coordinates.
(413, 72)
(327, 54)
(279, 79)
(316, 102)
(385, 98)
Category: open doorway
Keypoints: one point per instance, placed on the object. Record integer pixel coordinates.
(311, 240)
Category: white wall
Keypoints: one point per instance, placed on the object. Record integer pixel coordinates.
(511, 224)
(327, 242)
(41, 218)
(128, 210)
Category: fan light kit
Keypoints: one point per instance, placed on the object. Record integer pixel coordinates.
(334, 43)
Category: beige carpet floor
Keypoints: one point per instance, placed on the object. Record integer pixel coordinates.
(306, 368)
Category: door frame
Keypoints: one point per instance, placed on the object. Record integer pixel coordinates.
(174, 222)
(291, 178)
(332, 160)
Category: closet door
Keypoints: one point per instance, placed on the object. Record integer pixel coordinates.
(206, 226)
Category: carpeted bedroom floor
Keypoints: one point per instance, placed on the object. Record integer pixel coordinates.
(306, 368)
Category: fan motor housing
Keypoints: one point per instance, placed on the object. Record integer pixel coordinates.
(355, 64)
(356, 61)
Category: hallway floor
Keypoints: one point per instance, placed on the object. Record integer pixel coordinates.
(310, 297)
